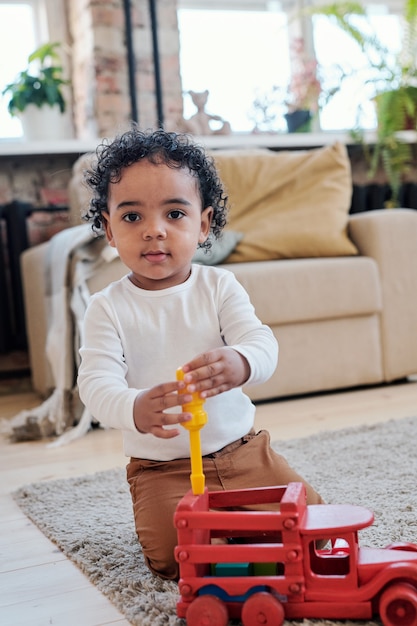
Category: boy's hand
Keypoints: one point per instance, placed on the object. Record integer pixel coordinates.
(149, 407)
(216, 371)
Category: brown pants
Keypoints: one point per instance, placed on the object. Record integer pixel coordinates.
(157, 486)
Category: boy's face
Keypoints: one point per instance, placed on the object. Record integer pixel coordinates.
(155, 221)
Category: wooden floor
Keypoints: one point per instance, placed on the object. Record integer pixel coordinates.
(39, 586)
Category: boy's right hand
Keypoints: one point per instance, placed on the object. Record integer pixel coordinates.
(150, 406)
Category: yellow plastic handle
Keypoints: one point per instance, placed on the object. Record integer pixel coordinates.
(199, 419)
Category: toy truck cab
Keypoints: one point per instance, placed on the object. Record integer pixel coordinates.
(268, 564)
(362, 581)
(337, 563)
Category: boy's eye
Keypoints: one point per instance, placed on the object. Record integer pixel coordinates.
(175, 214)
(131, 217)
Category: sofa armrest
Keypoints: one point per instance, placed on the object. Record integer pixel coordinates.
(390, 237)
(32, 263)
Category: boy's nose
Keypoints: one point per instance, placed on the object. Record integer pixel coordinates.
(154, 230)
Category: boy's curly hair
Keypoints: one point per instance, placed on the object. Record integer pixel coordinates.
(159, 147)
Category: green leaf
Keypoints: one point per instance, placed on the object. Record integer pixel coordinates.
(43, 87)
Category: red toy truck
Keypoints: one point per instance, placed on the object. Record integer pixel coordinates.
(267, 566)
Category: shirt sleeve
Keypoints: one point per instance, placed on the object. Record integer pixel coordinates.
(102, 380)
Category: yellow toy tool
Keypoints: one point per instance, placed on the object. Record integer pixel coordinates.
(199, 419)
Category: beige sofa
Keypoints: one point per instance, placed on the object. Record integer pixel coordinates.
(339, 291)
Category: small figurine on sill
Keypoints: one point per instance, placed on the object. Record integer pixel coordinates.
(199, 123)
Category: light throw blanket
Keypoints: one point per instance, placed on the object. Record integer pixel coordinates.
(74, 255)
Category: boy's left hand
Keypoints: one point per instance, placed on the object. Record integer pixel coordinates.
(216, 371)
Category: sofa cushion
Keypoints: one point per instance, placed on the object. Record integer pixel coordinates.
(288, 204)
(302, 290)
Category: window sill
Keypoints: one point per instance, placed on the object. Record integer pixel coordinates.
(20, 147)
(262, 140)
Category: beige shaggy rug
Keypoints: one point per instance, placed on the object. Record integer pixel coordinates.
(90, 518)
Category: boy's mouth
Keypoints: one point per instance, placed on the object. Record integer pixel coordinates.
(155, 256)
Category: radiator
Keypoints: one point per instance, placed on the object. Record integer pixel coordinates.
(374, 196)
(14, 240)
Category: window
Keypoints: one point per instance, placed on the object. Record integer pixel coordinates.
(241, 52)
(352, 105)
(20, 33)
(331, 562)
(238, 56)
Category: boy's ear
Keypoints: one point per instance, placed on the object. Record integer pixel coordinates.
(206, 217)
(107, 229)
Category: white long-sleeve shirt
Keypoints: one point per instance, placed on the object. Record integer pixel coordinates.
(135, 339)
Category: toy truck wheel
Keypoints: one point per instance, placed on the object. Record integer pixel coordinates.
(263, 609)
(207, 611)
(398, 605)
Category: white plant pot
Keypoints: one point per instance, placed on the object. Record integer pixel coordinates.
(43, 124)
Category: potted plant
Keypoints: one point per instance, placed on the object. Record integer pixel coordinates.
(394, 81)
(308, 90)
(34, 92)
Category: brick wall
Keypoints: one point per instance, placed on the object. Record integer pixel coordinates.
(41, 180)
(100, 66)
